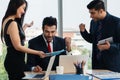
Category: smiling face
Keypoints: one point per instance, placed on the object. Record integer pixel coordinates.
(20, 11)
(49, 32)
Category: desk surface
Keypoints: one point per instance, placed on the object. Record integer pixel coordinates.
(86, 73)
(33, 73)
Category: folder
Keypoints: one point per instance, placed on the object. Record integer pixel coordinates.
(68, 77)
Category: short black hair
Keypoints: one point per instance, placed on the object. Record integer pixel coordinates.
(96, 4)
(50, 21)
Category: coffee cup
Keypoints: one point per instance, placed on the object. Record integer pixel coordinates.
(59, 69)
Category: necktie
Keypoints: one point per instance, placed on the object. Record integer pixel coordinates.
(49, 47)
(99, 36)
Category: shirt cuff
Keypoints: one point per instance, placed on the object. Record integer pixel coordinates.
(32, 68)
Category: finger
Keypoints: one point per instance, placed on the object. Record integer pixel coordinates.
(43, 55)
(31, 23)
(39, 68)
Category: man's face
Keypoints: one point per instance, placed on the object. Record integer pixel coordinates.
(49, 32)
(95, 14)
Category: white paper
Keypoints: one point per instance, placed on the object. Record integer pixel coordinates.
(110, 39)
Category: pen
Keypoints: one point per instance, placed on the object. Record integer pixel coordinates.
(82, 64)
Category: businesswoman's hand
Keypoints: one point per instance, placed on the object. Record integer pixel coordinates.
(41, 54)
(82, 27)
(27, 25)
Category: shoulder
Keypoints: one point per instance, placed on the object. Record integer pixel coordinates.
(13, 23)
(115, 21)
(9, 22)
(59, 39)
(114, 18)
(35, 39)
(12, 26)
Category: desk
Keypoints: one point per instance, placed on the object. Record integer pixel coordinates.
(53, 76)
(68, 77)
(104, 75)
(86, 73)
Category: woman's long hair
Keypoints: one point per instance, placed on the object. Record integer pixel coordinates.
(12, 10)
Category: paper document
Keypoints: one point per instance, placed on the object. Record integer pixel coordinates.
(110, 39)
(55, 53)
(106, 75)
(109, 77)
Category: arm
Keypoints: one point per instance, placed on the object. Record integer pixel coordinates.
(68, 43)
(31, 64)
(87, 36)
(115, 46)
(15, 39)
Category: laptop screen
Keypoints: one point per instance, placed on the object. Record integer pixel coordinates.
(41, 76)
(67, 62)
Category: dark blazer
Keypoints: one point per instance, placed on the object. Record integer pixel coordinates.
(109, 59)
(38, 43)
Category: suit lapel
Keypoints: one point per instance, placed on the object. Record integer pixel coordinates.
(54, 44)
(43, 43)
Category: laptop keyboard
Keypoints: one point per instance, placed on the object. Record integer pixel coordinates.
(39, 75)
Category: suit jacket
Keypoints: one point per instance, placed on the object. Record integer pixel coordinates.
(109, 59)
(38, 43)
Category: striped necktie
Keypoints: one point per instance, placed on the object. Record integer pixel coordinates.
(99, 34)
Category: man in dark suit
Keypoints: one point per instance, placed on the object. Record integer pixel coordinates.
(49, 27)
(103, 25)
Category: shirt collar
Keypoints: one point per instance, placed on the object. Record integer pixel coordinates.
(45, 39)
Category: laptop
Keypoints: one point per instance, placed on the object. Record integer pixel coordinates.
(41, 76)
(67, 62)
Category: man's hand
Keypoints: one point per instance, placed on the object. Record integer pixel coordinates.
(82, 27)
(37, 69)
(105, 46)
(68, 43)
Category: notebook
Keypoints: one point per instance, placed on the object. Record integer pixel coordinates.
(67, 62)
(41, 76)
